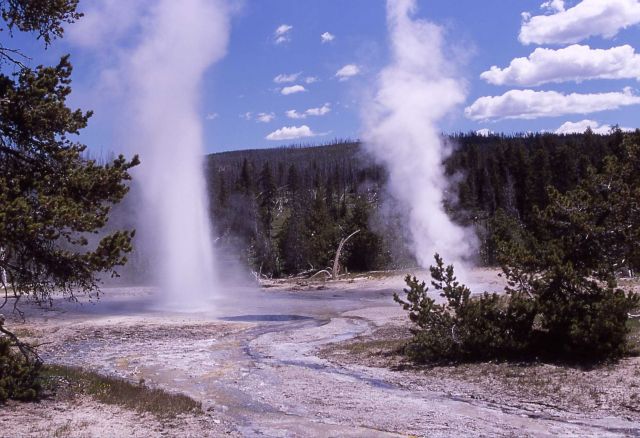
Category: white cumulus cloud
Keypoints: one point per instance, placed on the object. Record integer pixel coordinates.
(284, 78)
(311, 79)
(582, 125)
(347, 72)
(293, 114)
(265, 117)
(247, 116)
(319, 111)
(530, 104)
(292, 89)
(553, 5)
(282, 34)
(211, 116)
(327, 37)
(587, 18)
(574, 63)
(291, 133)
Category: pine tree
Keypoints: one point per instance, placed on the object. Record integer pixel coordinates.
(50, 195)
(319, 233)
(364, 251)
(540, 179)
(291, 241)
(292, 180)
(265, 255)
(245, 182)
(267, 196)
(569, 264)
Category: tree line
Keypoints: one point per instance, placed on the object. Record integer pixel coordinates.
(285, 210)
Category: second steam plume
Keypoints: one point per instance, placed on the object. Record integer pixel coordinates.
(413, 93)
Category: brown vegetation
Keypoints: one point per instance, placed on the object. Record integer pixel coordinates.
(71, 382)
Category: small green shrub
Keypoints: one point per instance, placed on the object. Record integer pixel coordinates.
(495, 326)
(432, 336)
(465, 328)
(564, 317)
(19, 379)
(586, 325)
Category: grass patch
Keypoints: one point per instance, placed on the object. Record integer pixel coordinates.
(69, 382)
(382, 348)
(377, 346)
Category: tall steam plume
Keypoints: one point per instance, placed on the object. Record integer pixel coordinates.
(181, 40)
(152, 56)
(413, 93)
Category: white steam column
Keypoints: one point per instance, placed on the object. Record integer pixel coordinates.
(412, 95)
(179, 41)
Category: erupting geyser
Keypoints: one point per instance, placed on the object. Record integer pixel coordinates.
(154, 76)
(180, 41)
(412, 94)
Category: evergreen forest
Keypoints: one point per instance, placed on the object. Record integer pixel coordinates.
(285, 210)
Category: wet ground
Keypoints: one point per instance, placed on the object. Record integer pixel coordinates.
(254, 363)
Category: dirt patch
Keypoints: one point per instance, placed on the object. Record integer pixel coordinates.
(83, 416)
(611, 389)
(121, 352)
(79, 403)
(380, 349)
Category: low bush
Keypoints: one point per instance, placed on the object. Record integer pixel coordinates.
(465, 328)
(562, 319)
(19, 378)
(586, 324)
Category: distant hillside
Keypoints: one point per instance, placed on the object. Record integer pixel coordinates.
(343, 160)
(285, 209)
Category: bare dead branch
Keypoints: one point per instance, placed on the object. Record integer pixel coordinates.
(336, 260)
(324, 271)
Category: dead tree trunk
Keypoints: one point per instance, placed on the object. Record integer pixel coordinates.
(336, 260)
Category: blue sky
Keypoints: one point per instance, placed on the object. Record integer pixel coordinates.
(241, 105)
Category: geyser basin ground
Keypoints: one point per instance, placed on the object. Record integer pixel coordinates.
(306, 359)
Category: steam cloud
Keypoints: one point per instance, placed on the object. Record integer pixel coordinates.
(169, 47)
(182, 40)
(412, 94)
